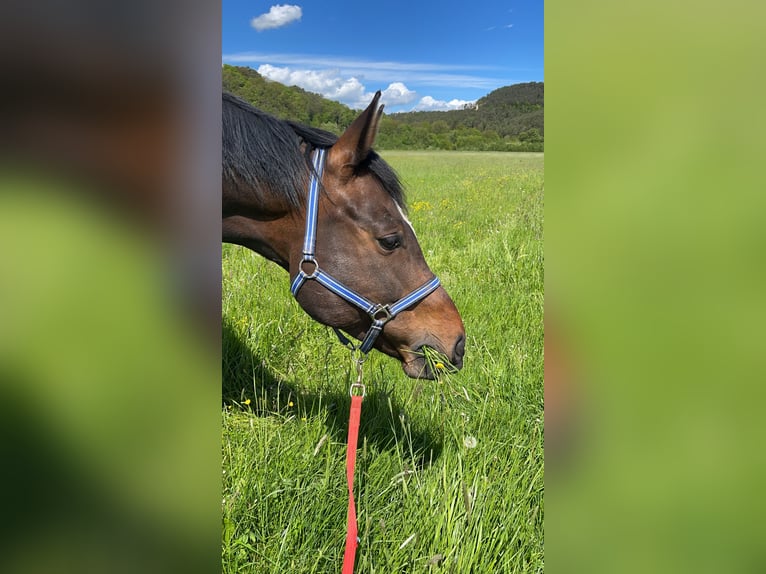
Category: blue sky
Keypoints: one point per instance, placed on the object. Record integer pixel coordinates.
(422, 54)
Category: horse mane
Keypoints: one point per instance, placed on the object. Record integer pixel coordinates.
(263, 153)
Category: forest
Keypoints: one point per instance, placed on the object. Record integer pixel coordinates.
(510, 118)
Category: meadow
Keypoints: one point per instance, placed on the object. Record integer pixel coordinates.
(449, 472)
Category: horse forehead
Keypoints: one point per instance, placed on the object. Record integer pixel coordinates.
(405, 218)
(367, 192)
(385, 212)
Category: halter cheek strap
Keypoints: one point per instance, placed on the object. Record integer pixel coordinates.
(308, 270)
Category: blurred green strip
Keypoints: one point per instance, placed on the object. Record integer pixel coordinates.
(104, 393)
(654, 253)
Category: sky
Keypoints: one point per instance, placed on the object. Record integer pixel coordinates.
(422, 54)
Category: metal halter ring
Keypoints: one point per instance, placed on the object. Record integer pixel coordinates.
(311, 261)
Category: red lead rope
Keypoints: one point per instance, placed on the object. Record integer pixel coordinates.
(351, 529)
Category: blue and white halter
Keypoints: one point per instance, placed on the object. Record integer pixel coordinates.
(379, 313)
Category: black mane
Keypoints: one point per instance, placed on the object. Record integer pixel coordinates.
(263, 153)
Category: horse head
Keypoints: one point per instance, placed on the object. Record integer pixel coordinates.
(364, 241)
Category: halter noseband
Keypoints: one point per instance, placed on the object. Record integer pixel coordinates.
(379, 313)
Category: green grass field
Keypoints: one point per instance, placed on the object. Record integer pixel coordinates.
(450, 472)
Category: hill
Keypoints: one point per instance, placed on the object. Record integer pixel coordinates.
(510, 118)
(508, 111)
(286, 102)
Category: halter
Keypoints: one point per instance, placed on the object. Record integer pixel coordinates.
(379, 313)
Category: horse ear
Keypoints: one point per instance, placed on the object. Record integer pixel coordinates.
(355, 143)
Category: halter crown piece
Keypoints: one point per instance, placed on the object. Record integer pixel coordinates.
(379, 313)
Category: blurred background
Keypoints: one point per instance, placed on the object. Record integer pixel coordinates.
(110, 286)
(654, 286)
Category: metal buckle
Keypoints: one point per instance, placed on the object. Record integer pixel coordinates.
(361, 390)
(358, 358)
(381, 309)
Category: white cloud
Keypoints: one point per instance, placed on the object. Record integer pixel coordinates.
(314, 81)
(277, 16)
(335, 85)
(397, 94)
(329, 83)
(429, 104)
(350, 90)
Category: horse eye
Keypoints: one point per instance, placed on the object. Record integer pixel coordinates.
(390, 243)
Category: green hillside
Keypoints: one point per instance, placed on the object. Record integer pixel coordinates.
(508, 111)
(508, 119)
(287, 102)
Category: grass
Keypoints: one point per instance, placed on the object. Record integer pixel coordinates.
(450, 472)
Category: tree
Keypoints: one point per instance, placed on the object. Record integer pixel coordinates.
(531, 135)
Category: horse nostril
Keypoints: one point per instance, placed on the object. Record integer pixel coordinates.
(457, 358)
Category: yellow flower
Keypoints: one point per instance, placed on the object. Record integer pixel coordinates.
(290, 404)
(439, 365)
(247, 401)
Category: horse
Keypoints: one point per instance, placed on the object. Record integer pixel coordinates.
(331, 212)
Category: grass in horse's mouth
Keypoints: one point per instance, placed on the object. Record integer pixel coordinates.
(436, 362)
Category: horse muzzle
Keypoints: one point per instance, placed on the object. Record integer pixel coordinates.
(428, 361)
